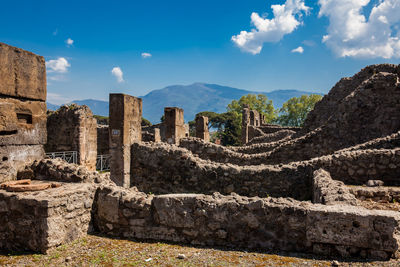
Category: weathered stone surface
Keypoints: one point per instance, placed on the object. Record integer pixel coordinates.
(330, 192)
(73, 128)
(22, 74)
(62, 171)
(236, 221)
(378, 194)
(202, 128)
(174, 124)
(22, 122)
(125, 129)
(103, 140)
(38, 221)
(14, 159)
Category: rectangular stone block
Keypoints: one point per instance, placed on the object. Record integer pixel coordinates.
(38, 221)
(22, 73)
(202, 128)
(174, 125)
(22, 122)
(125, 129)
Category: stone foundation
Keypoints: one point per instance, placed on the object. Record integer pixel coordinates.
(235, 221)
(38, 221)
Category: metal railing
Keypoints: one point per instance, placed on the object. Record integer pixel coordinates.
(68, 156)
(103, 162)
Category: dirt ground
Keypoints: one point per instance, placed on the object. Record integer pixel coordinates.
(94, 250)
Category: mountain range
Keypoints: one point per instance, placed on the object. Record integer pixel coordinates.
(192, 98)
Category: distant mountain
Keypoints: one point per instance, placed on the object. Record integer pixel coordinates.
(192, 98)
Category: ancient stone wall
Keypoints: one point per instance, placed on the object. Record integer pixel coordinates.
(125, 129)
(245, 124)
(241, 222)
(38, 221)
(272, 137)
(103, 140)
(73, 128)
(202, 128)
(22, 109)
(174, 125)
(161, 168)
(377, 194)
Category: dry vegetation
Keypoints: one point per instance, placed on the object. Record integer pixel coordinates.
(100, 251)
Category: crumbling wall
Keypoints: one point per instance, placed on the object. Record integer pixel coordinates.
(22, 109)
(330, 192)
(174, 125)
(255, 223)
(73, 128)
(272, 137)
(125, 129)
(161, 168)
(38, 221)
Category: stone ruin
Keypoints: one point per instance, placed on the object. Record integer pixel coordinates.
(202, 128)
(288, 189)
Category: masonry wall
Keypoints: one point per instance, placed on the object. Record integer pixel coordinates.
(103, 140)
(174, 125)
(161, 168)
(22, 110)
(241, 222)
(125, 129)
(73, 128)
(38, 221)
(202, 128)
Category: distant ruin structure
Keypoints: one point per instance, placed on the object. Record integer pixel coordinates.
(73, 128)
(22, 109)
(202, 128)
(174, 124)
(125, 130)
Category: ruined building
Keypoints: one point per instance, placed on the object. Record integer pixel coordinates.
(288, 189)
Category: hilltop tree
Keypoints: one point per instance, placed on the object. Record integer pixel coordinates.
(256, 102)
(295, 110)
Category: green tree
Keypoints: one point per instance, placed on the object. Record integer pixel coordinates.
(256, 102)
(295, 110)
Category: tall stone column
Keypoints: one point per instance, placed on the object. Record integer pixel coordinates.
(125, 129)
(174, 125)
(202, 128)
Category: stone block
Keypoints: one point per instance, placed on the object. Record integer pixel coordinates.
(22, 74)
(202, 128)
(22, 122)
(38, 221)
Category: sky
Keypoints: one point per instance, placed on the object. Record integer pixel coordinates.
(93, 48)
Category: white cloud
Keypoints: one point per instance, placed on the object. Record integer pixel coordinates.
(310, 43)
(299, 50)
(59, 65)
(117, 72)
(146, 55)
(351, 34)
(57, 98)
(287, 18)
(69, 42)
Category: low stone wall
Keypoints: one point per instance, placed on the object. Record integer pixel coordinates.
(377, 194)
(330, 192)
(273, 137)
(38, 221)
(161, 168)
(61, 171)
(255, 223)
(272, 128)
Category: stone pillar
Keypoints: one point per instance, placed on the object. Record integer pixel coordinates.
(157, 135)
(73, 128)
(125, 129)
(202, 128)
(254, 118)
(245, 124)
(22, 110)
(174, 125)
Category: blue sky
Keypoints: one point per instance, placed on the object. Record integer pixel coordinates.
(93, 48)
